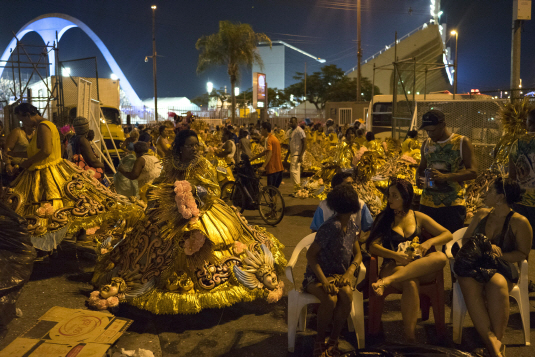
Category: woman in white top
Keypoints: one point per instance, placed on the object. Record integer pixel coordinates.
(146, 168)
(229, 147)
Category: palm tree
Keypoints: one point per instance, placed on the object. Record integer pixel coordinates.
(234, 46)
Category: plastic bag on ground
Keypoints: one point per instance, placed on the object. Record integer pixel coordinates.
(16, 262)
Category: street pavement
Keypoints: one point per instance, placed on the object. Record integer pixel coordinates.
(245, 329)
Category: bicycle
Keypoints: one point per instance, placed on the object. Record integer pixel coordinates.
(247, 192)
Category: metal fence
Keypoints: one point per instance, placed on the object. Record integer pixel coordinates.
(476, 120)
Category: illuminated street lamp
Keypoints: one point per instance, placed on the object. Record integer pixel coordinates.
(114, 77)
(66, 71)
(209, 87)
(455, 64)
(236, 91)
(153, 7)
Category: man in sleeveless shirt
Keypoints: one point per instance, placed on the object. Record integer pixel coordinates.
(522, 169)
(449, 159)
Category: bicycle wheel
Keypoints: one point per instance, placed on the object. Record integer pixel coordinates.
(232, 194)
(271, 205)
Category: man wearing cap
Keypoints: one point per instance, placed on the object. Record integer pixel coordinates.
(447, 161)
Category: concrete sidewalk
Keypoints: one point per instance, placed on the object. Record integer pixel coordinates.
(246, 329)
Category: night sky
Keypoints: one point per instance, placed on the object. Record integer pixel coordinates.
(319, 27)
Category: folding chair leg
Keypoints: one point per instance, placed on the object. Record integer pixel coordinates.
(302, 324)
(459, 312)
(357, 318)
(292, 318)
(523, 304)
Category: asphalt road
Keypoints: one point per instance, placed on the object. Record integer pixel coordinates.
(247, 329)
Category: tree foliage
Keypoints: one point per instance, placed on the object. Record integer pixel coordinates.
(276, 98)
(329, 85)
(233, 46)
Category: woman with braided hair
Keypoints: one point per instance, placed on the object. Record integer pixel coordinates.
(394, 228)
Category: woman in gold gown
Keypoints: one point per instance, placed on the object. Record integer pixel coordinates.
(56, 197)
(177, 261)
(374, 144)
(411, 143)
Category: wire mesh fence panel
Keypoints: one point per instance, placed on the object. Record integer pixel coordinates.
(476, 120)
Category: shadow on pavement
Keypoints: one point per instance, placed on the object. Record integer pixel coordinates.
(301, 210)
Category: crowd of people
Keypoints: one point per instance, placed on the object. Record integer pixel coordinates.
(168, 243)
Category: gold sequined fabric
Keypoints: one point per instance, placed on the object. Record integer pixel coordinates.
(155, 248)
(60, 199)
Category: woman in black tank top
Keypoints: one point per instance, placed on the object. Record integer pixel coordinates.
(398, 224)
(510, 235)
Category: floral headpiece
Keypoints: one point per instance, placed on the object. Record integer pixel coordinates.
(66, 130)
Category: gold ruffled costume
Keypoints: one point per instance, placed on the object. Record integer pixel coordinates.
(154, 252)
(57, 198)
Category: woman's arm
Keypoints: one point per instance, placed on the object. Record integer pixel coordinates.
(44, 143)
(357, 259)
(226, 150)
(11, 141)
(377, 249)
(312, 258)
(473, 224)
(89, 155)
(440, 234)
(523, 233)
(136, 170)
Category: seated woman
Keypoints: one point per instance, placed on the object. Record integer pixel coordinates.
(191, 251)
(398, 224)
(374, 144)
(16, 147)
(510, 235)
(83, 154)
(360, 139)
(146, 168)
(128, 144)
(332, 259)
(162, 144)
(411, 143)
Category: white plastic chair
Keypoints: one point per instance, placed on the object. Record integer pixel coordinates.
(519, 293)
(298, 301)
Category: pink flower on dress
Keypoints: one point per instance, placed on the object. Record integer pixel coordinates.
(95, 294)
(45, 210)
(102, 305)
(185, 201)
(112, 301)
(239, 247)
(194, 243)
(91, 231)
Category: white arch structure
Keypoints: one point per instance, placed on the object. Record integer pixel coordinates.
(47, 25)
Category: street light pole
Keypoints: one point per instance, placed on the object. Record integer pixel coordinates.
(456, 64)
(359, 54)
(153, 7)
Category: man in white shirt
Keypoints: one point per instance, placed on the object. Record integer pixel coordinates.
(297, 146)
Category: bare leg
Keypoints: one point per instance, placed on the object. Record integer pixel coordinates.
(476, 306)
(326, 309)
(497, 292)
(342, 310)
(410, 299)
(414, 270)
(410, 306)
